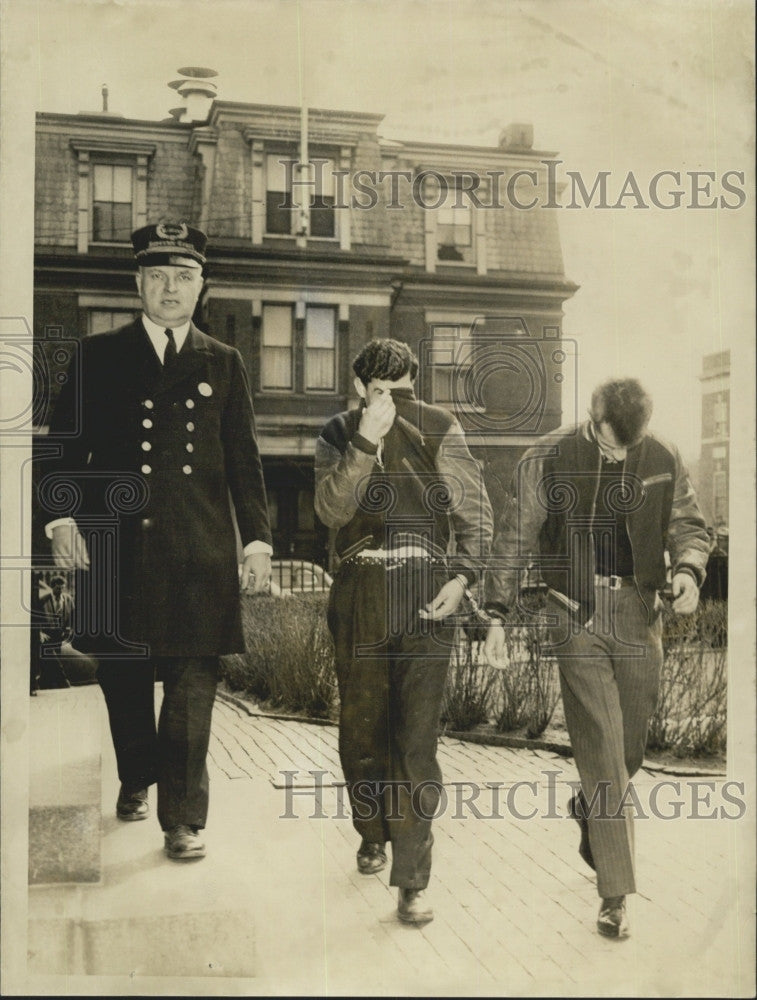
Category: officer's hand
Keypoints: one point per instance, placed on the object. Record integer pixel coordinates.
(69, 548)
(495, 650)
(685, 594)
(377, 418)
(256, 568)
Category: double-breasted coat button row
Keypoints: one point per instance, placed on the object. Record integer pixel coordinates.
(147, 423)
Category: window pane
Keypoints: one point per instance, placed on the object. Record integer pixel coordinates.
(276, 368)
(319, 369)
(103, 183)
(324, 177)
(101, 320)
(322, 218)
(102, 220)
(278, 219)
(443, 385)
(320, 349)
(121, 184)
(276, 359)
(122, 222)
(319, 328)
(276, 172)
(277, 326)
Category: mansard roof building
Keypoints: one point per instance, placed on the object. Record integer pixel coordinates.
(322, 234)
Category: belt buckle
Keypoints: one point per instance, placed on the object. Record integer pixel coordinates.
(614, 582)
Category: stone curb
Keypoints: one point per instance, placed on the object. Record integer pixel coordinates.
(485, 739)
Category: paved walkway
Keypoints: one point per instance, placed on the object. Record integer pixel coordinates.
(278, 908)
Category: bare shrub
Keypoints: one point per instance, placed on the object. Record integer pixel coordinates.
(289, 663)
(690, 717)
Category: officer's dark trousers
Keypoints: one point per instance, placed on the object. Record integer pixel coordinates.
(391, 668)
(174, 756)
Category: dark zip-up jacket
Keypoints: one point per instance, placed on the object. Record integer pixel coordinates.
(551, 517)
(424, 486)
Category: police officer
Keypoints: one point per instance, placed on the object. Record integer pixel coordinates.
(156, 432)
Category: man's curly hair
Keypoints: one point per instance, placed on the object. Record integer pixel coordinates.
(625, 405)
(383, 358)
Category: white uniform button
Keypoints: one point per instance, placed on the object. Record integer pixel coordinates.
(148, 404)
(147, 423)
(146, 446)
(190, 426)
(147, 469)
(190, 404)
(190, 447)
(187, 470)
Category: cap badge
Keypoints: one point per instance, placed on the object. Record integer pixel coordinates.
(171, 231)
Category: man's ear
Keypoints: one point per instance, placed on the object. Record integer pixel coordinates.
(359, 387)
(138, 279)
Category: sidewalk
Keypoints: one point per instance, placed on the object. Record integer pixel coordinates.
(277, 906)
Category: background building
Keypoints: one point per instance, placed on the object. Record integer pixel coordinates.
(714, 456)
(421, 241)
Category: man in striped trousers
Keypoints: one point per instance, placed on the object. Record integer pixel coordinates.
(601, 506)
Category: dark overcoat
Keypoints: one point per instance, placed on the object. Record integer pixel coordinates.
(150, 465)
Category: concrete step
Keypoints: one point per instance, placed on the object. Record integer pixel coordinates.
(65, 786)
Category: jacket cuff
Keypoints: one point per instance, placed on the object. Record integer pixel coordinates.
(363, 444)
(693, 572)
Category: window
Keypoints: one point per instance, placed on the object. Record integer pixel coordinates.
(320, 349)
(720, 496)
(298, 348)
(278, 198)
(112, 197)
(721, 416)
(276, 348)
(454, 227)
(451, 358)
(102, 320)
(322, 215)
(287, 188)
(454, 231)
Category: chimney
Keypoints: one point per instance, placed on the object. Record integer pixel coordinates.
(517, 137)
(197, 91)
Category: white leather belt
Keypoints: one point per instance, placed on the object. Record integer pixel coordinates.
(613, 582)
(391, 555)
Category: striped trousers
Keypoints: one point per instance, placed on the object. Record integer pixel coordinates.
(610, 679)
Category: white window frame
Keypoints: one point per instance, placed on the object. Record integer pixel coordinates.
(334, 351)
(110, 152)
(272, 160)
(278, 389)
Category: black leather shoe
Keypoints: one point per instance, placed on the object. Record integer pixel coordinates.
(371, 858)
(613, 920)
(584, 848)
(183, 843)
(132, 805)
(412, 907)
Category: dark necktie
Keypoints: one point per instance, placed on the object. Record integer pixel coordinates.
(169, 358)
